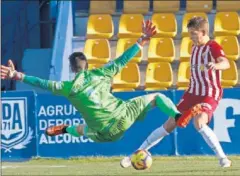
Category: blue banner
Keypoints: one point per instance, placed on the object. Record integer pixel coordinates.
(52, 110)
(18, 125)
(25, 117)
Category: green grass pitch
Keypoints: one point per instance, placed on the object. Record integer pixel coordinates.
(191, 165)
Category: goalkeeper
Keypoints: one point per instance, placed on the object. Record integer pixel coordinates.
(107, 117)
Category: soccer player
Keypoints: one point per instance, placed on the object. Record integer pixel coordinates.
(203, 94)
(107, 117)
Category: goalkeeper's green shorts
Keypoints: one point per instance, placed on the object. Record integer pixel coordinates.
(136, 109)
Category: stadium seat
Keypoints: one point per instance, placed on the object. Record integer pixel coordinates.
(228, 5)
(182, 88)
(129, 77)
(124, 44)
(130, 26)
(132, 7)
(226, 23)
(183, 74)
(155, 88)
(100, 26)
(166, 6)
(94, 66)
(166, 24)
(230, 76)
(185, 49)
(230, 46)
(109, 7)
(161, 50)
(227, 86)
(186, 18)
(97, 50)
(199, 6)
(123, 90)
(159, 76)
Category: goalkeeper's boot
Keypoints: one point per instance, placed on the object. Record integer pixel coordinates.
(126, 162)
(185, 118)
(225, 162)
(56, 130)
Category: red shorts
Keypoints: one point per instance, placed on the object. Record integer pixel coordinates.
(188, 100)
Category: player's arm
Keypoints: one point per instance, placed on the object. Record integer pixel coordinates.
(9, 72)
(221, 62)
(115, 66)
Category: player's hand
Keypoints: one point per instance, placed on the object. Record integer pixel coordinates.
(211, 66)
(9, 72)
(148, 30)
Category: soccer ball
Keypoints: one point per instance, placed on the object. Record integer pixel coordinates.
(141, 160)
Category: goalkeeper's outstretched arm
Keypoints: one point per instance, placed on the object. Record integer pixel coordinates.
(114, 67)
(9, 72)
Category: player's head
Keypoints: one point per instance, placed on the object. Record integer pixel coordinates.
(198, 29)
(78, 62)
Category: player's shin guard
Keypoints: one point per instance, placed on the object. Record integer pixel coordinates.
(167, 106)
(211, 139)
(154, 138)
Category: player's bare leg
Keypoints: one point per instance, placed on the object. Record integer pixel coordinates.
(200, 123)
(61, 129)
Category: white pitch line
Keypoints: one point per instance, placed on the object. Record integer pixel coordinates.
(39, 166)
(6, 167)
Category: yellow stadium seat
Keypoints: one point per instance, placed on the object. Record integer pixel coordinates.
(161, 49)
(228, 5)
(97, 50)
(183, 74)
(199, 6)
(100, 26)
(155, 88)
(124, 44)
(123, 90)
(94, 66)
(186, 48)
(230, 46)
(159, 76)
(182, 88)
(226, 23)
(186, 18)
(166, 24)
(129, 77)
(135, 6)
(227, 87)
(109, 6)
(161, 6)
(230, 76)
(130, 26)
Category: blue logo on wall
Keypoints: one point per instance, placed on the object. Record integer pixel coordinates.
(16, 133)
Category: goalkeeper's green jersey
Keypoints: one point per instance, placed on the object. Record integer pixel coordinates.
(90, 92)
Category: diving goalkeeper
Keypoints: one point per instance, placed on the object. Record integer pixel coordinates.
(107, 117)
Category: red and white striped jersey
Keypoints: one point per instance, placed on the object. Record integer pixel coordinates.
(203, 81)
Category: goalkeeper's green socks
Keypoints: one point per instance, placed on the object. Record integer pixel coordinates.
(73, 131)
(167, 106)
